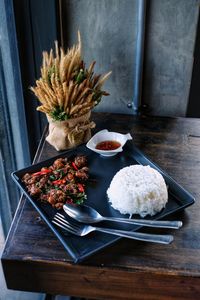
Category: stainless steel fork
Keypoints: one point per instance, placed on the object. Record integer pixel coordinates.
(83, 229)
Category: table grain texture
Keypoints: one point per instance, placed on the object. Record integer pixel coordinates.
(34, 260)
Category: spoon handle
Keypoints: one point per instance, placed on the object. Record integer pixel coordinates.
(148, 223)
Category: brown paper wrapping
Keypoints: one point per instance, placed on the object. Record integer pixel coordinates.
(67, 134)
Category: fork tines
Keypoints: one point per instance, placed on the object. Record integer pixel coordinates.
(60, 221)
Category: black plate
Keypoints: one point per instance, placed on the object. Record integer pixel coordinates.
(102, 170)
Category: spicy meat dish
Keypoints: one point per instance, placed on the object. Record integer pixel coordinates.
(62, 182)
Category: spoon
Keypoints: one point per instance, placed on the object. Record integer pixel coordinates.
(87, 214)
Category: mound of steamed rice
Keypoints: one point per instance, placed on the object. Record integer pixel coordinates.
(138, 190)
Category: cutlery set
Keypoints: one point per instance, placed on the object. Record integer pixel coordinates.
(86, 215)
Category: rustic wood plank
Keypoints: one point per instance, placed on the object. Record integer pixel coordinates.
(101, 283)
(127, 269)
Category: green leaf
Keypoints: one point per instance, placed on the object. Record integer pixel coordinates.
(81, 75)
(58, 114)
(97, 96)
(49, 73)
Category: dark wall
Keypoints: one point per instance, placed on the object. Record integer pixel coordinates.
(109, 32)
(109, 29)
(170, 39)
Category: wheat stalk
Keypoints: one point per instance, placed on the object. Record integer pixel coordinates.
(65, 85)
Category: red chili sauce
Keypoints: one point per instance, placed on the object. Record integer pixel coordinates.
(108, 145)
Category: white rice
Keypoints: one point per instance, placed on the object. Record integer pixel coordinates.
(138, 190)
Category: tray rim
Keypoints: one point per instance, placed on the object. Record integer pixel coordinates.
(76, 257)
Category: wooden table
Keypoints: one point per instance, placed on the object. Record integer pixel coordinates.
(34, 260)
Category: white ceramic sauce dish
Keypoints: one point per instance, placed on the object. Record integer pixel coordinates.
(105, 135)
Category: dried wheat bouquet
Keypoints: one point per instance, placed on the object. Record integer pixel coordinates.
(66, 88)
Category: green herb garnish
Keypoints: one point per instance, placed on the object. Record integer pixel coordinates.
(57, 187)
(52, 177)
(62, 174)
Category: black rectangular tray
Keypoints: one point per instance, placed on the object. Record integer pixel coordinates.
(102, 169)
